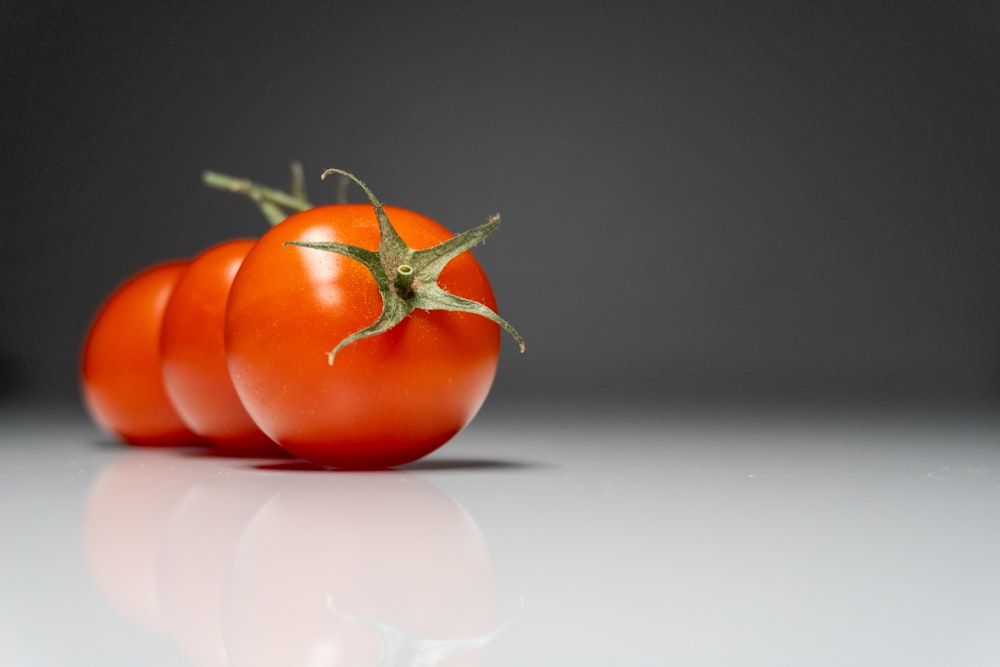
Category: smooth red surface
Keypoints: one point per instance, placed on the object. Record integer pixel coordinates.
(194, 358)
(387, 400)
(121, 376)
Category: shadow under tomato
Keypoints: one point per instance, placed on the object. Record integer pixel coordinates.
(435, 464)
(294, 465)
(424, 465)
(107, 443)
(111, 443)
(237, 455)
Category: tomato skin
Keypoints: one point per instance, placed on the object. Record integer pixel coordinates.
(121, 378)
(386, 400)
(192, 348)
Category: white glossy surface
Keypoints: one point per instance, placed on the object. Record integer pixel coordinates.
(592, 537)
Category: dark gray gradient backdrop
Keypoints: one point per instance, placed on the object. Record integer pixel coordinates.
(703, 199)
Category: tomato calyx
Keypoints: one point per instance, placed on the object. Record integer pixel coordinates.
(407, 279)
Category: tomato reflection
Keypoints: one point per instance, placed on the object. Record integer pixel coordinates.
(360, 569)
(195, 557)
(124, 520)
(242, 566)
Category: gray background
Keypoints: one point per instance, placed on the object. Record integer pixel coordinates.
(701, 200)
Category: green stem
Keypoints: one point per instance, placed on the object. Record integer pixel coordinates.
(404, 280)
(275, 204)
(298, 181)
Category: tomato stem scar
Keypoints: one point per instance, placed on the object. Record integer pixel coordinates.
(404, 280)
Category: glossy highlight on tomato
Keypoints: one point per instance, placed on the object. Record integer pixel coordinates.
(387, 399)
(121, 374)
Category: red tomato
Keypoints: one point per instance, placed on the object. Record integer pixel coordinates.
(387, 399)
(194, 359)
(122, 380)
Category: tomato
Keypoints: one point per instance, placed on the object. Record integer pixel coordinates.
(361, 569)
(193, 354)
(386, 399)
(121, 376)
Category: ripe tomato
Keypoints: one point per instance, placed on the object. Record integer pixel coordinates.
(387, 399)
(194, 359)
(122, 380)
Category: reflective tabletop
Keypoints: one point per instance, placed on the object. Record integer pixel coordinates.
(564, 536)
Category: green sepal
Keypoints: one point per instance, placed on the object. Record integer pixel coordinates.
(367, 257)
(408, 279)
